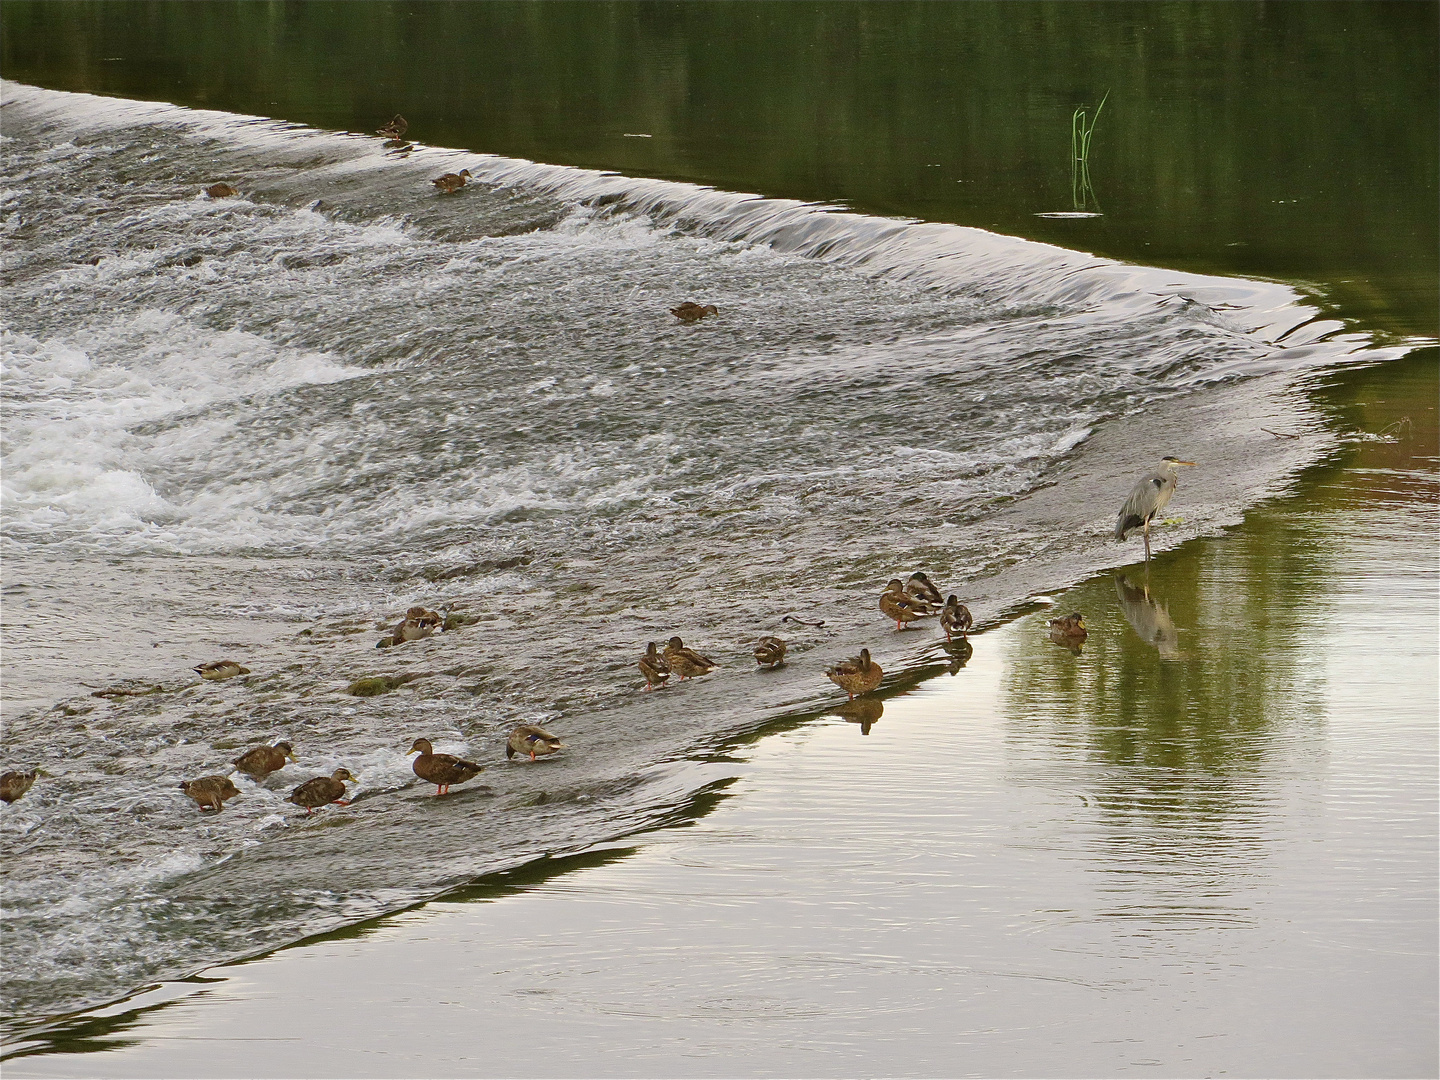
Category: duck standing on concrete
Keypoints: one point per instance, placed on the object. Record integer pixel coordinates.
(533, 740)
(442, 770)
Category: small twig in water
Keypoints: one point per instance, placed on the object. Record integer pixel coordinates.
(802, 622)
(1278, 434)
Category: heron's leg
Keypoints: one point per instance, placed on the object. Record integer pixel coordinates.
(1146, 532)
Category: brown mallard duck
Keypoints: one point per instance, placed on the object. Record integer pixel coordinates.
(690, 311)
(211, 791)
(418, 623)
(15, 784)
(442, 770)
(770, 651)
(395, 128)
(533, 740)
(220, 669)
(899, 605)
(1068, 630)
(322, 790)
(687, 663)
(451, 182)
(221, 191)
(654, 667)
(261, 761)
(920, 587)
(955, 618)
(857, 676)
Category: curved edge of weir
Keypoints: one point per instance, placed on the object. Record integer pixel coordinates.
(1242, 410)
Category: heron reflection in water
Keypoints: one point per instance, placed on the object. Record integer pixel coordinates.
(1151, 621)
(863, 711)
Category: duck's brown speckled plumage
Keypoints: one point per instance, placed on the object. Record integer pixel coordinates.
(770, 651)
(690, 311)
(857, 676)
(15, 784)
(442, 770)
(685, 662)
(261, 761)
(451, 182)
(221, 191)
(654, 667)
(533, 740)
(220, 669)
(210, 791)
(897, 604)
(395, 128)
(922, 588)
(1069, 628)
(322, 790)
(955, 618)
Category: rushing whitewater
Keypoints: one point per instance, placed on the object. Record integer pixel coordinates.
(264, 426)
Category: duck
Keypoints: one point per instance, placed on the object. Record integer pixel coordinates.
(770, 652)
(1068, 629)
(533, 740)
(654, 667)
(899, 605)
(442, 770)
(260, 761)
(451, 182)
(419, 622)
(15, 784)
(395, 128)
(322, 790)
(920, 587)
(220, 669)
(211, 791)
(955, 618)
(687, 663)
(857, 676)
(221, 191)
(690, 311)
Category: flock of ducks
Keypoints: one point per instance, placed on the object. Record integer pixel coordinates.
(905, 603)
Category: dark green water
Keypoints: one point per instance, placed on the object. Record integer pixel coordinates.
(1284, 140)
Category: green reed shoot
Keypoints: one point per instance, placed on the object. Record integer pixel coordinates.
(1082, 130)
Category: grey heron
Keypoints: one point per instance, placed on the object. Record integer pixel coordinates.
(1147, 498)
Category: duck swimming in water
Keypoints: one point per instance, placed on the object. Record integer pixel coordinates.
(442, 770)
(322, 790)
(1068, 630)
(770, 651)
(857, 676)
(15, 784)
(451, 182)
(263, 760)
(220, 669)
(690, 311)
(533, 740)
(210, 791)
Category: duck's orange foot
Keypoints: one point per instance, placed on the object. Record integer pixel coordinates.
(532, 755)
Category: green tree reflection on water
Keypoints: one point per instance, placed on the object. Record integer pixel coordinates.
(1296, 141)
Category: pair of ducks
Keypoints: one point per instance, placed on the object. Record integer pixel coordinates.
(210, 792)
(919, 598)
(442, 770)
(685, 662)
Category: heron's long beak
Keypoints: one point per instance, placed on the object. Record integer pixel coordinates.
(1185, 463)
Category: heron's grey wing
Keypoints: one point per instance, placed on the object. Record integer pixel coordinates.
(1143, 501)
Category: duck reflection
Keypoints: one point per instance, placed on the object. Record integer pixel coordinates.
(959, 653)
(1151, 621)
(863, 711)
